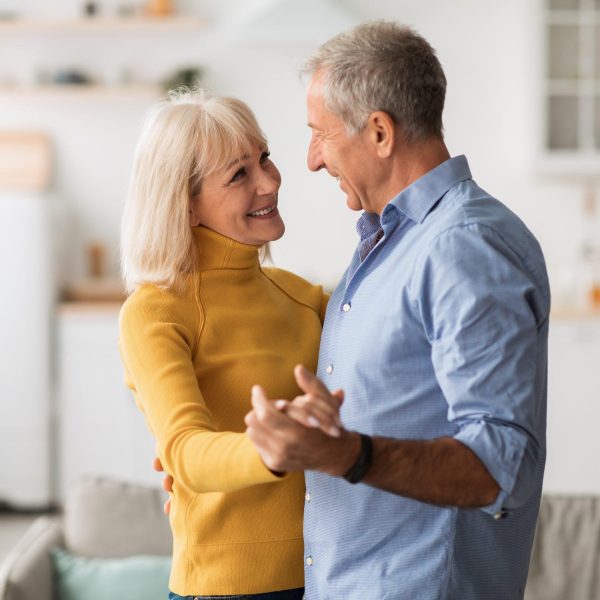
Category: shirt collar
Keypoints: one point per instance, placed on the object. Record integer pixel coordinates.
(367, 225)
(216, 251)
(418, 199)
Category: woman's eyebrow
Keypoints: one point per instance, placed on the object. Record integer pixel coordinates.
(237, 160)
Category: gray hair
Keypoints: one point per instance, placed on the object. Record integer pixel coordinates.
(381, 65)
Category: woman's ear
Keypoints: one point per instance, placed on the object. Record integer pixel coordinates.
(382, 133)
(194, 218)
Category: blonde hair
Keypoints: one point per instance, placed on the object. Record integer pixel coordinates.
(184, 139)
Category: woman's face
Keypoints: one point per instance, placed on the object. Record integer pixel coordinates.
(240, 201)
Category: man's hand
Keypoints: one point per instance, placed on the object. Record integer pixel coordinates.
(317, 407)
(167, 483)
(286, 445)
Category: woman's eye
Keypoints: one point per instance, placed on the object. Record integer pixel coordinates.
(264, 157)
(238, 174)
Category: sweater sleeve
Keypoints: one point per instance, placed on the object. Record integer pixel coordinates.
(156, 341)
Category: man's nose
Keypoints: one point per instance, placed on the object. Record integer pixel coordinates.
(314, 160)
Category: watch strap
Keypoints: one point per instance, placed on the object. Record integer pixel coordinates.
(365, 457)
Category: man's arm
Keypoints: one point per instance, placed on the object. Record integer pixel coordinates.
(440, 471)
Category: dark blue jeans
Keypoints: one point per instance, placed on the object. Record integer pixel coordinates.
(296, 594)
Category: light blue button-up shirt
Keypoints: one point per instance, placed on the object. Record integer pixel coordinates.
(444, 334)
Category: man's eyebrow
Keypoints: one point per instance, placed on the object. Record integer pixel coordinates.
(236, 161)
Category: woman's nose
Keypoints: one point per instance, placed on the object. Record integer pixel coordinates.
(269, 182)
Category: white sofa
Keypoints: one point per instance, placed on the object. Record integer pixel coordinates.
(111, 519)
(101, 519)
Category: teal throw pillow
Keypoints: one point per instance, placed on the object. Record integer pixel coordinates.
(133, 577)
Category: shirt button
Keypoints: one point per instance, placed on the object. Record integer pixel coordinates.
(309, 561)
(329, 369)
(346, 307)
(307, 496)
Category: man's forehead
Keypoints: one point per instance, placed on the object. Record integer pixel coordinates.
(315, 85)
(314, 102)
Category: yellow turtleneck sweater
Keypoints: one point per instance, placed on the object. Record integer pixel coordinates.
(191, 359)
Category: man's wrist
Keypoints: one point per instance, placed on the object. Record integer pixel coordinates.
(363, 462)
(346, 454)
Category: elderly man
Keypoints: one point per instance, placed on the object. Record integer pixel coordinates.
(437, 333)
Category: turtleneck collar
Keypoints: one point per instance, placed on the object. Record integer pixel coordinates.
(216, 251)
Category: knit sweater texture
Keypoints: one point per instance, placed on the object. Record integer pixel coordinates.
(191, 359)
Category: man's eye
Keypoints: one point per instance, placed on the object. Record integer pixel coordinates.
(238, 174)
(264, 157)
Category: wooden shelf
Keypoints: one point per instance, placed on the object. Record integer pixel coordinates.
(573, 313)
(175, 23)
(566, 164)
(84, 91)
(88, 308)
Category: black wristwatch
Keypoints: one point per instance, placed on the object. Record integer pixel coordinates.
(359, 469)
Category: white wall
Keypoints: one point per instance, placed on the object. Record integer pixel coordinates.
(489, 51)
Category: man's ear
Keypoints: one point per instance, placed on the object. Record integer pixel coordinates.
(382, 133)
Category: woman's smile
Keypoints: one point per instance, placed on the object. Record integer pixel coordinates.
(266, 212)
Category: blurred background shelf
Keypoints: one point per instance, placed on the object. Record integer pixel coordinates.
(109, 24)
(31, 92)
(566, 313)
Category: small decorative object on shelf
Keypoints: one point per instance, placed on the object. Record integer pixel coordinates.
(127, 10)
(90, 9)
(98, 286)
(590, 249)
(188, 76)
(96, 258)
(159, 8)
(71, 77)
(8, 16)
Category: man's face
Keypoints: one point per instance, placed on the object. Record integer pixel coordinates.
(344, 157)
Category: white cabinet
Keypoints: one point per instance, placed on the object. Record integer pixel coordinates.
(100, 431)
(574, 406)
(28, 290)
(571, 85)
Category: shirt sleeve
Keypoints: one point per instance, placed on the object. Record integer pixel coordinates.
(157, 354)
(483, 312)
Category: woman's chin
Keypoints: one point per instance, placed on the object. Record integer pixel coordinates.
(276, 229)
(280, 233)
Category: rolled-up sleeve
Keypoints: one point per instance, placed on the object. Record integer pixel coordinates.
(483, 315)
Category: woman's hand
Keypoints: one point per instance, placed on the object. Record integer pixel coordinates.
(317, 407)
(167, 483)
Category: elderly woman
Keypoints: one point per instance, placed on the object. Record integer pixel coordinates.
(204, 322)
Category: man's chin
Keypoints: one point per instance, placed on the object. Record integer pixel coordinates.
(353, 204)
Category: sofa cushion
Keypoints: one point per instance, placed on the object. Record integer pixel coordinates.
(106, 518)
(134, 578)
(26, 573)
(565, 558)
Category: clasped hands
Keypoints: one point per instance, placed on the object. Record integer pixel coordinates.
(294, 436)
(305, 433)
